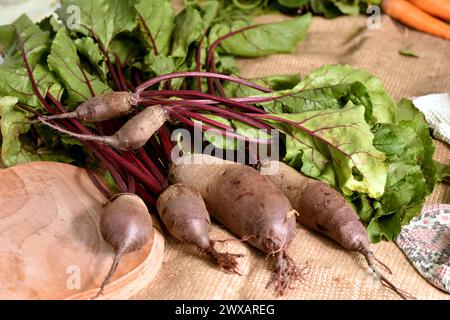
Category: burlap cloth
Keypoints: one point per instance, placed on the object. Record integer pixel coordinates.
(332, 273)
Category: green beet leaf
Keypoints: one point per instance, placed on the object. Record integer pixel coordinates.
(15, 79)
(101, 19)
(279, 83)
(442, 172)
(65, 62)
(216, 139)
(16, 147)
(90, 50)
(190, 26)
(407, 112)
(328, 97)
(411, 175)
(159, 65)
(50, 24)
(293, 3)
(236, 127)
(335, 139)
(384, 107)
(156, 23)
(263, 40)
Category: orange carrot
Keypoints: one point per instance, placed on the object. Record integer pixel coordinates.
(414, 17)
(437, 8)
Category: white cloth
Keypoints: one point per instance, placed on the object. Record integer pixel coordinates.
(436, 108)
(36, 10)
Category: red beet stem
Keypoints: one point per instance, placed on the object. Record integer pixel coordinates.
(184, 74)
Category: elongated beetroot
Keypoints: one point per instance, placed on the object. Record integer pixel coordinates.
(323, 209)
(132, 135)
(126, 226)
(246, 203)
(184, 213)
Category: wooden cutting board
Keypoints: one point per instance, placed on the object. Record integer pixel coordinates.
(50, 245)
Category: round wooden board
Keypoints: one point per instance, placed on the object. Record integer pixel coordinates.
(51, 247)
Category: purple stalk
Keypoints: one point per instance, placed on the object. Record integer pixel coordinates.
(141, 192)
(226, 113)
(110, 165)
(166, 142)
(111, 70)
(255, 99)
(130, 85)
(106, 56)
(199, 62)
(210, 60)
(205, 120)
(123, 85)
(30, 72)
(226, 101)
(212, 98)
(131, 184)
(214, 45)
(132, 157)
(153, 167)
(115, 174)
(216, 81)
(147, 31)
(135, 171)
(108, 62)
(157, 152)
(226, 134)
(184, 74)
(136, 76)
(88, 83)
(98, 184)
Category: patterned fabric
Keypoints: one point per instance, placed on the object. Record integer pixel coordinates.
(426, 242)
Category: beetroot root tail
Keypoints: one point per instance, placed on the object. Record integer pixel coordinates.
(67, 115)
(381, 263)
(403, 294)
(111, 272)
(226, 261)
(84, 137)
(286, 273)
(371, 259)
